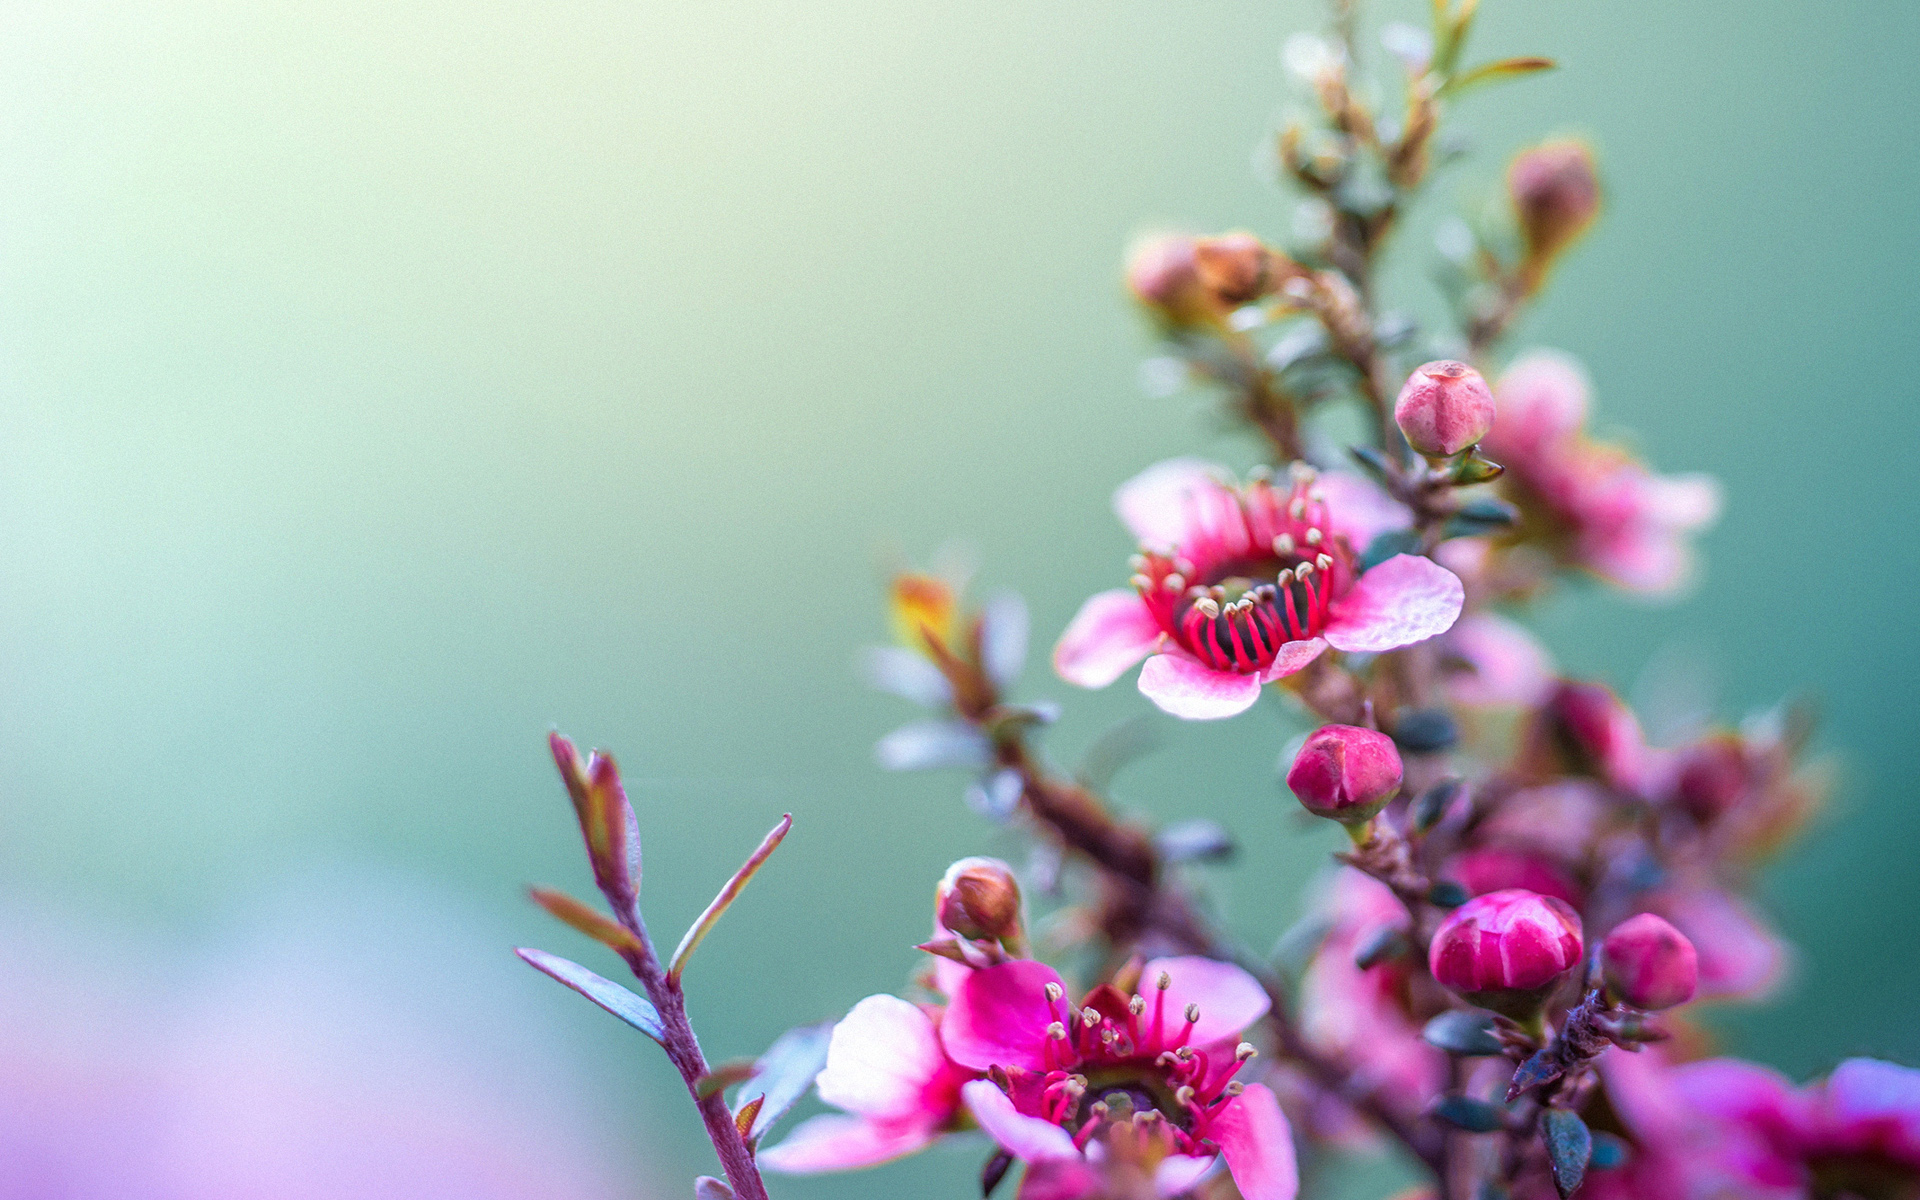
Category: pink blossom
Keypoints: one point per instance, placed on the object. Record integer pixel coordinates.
(1505, 945)
(1175, 1037)
(1238, 586)
(1601, 508)
(1443, 408)
(1498, 868)
(1495, 662)
(895, 1085)
(1649, 964)
(1345, 772)
(1707, 1129)
(1739, 955)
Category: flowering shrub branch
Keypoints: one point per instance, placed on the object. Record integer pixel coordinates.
(1502, 971)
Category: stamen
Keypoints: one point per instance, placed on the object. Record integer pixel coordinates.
(1054, 993)
(1164, 982)
(1314, 536)
(1302, 472)
(1304, 570)
(1140, 583)
(1184, 1094)
(1090, 1015)
(1056, 1031)
(1137, 1006)
(1298, 509)
(1283, 545)
(1207, 606)
(1174, 583)
(1193, 1014)
(1234, 1087)
(1324, 562)
(1245, 1052)
(1136, 562)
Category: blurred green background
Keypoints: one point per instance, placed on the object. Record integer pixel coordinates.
(383, 385)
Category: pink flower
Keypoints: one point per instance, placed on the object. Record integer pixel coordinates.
(1649, 964)
(1443, 408)
(1494, 662)
(1146, 1079)
(1592, 503)
(1345, 772)
(1862, 1125)
(1238, 586)
(1584, 729)
(1498, 868)
(1504, 950)
(895, 1084)
(1707, 1129)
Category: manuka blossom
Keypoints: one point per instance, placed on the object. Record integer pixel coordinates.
(1593, 504)
(1237, 586)
(1140, 1079)
(1505, 949)
(898, 1090)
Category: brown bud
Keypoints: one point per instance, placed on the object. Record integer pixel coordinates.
(978, 898)
(1237, 268)
(1556, 194)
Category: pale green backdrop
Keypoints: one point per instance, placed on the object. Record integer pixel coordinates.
(384, 384)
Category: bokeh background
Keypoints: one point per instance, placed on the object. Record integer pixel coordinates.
(383, 385)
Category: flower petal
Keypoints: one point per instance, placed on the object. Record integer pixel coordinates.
(1177, 1173)
(841, 1143)
(1404, 600)
(1061, 1179)
(1229, 999)
(881, 1059)
(1029, 1139)
(1111, 632)
(1360, 508)
(1257, 1143)
(1157, 505)
(1504, 664)
(999, 1017)
(907, 674)
(1186, 687)
(1292, 656)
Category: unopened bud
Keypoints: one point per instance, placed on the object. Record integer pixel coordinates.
(1713, 777)
(1506, 950)
(1346, 773)
(1238, 268)
(978, 898)
(1163, 273)
(1595, 733)
(1556, 194)
(1444, 408)
(1649, 964)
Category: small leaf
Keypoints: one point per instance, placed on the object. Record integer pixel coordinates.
(1608, 1152)
(1544, 1067)
(600, 928)
(1426, 730)
(697, 932)
(1375, 463)
(1434, 804)
(1307, 340)
(1467, 1034)
(606, 819)
(907, 674)
(1198, 840)
(1297, 947)
(636, 1011)
(1385, 545)
(1474, 1116)
(1506, 68)
(722, 1077)
(931, 745)
(993, 1172)
(1487, 514)
(1129, 741)
(744, 1117)
(708, 1188)
(1445, 893)
(997, 796)
(1003, 638)
(784, 1073)
(1569, 1147)
(1383, 944)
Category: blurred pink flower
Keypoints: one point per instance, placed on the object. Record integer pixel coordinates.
(1494, 662)
(1238, 586)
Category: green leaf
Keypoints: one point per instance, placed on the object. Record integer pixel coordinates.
(1608, 1152)
(1544, 1067)
(1474, 1116)
(634, 1010)
(1488, 514)
(1493, 72)
(1569, 1147)
(1445, 893)
(587, 920)
(1384, 546)
(697, 932)
(1434, 803)
(1383, 944)
(1464, 1033)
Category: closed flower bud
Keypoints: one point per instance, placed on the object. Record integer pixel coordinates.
(1444, 408)
(1163, 273)
(1713, 777)
(978, 898)
(1649, 964)
(1556, 194)
(1345, 772)
(1237, 268)
(1591, 732)
(1506, 950)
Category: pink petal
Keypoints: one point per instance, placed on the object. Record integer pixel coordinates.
(1358, 508)
(1504, 664)
(1739, 955)
(999, 1017)
(1029, 1139)
(1186, 687)
(1158, 506)
(1257, 1143)
(1404, 600)
(842, 1143)
(1682, 501)
(1178, 1173)
(1871, 1101)
(881, 1059)
(1229, 998)
(1061, 1179)
(1111, 632)
(1542, 398)
(1292, 657)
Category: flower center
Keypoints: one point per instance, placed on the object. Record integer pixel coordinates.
(1260, 568)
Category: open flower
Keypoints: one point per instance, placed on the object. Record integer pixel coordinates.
(1142, 1082)
(1594, 505)
(895, 1084)
(1239, 585)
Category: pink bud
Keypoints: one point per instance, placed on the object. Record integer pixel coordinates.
(979, 898)
(1162, 273)
(1505, 950)
(1594, 733)
(1444, 408)
(1345, 772)
(1556, 194)
(1649, 964)
(1713, 777)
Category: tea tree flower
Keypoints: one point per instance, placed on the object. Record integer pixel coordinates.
(1505, 950)
(1239, 585)
(1345, 773)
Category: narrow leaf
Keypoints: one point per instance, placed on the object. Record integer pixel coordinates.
(931, 745)
(744, 1118)
(1463, 1033)
(907, 674)
(1196, 840)
(1569, 1147)
(600, 928)
(1474, 1116)
(1608, 1152)
(697, 932)
(1506, 68)
(606, 819)
(1434, 804)
(993, 1172)
(634, 1010)
(785, 1072)
(1543, 1067)
(722, 1077)
(1383, 944)
(708, 1188)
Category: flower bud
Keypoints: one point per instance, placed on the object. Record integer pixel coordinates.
(978, 898)
(1163, 273)
(1713, 777)
(1237, 268)
(1444, 408)
(1346, 773)
(1649, 964)
(1506, 950)
(1591, 732)
(1556, 194)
